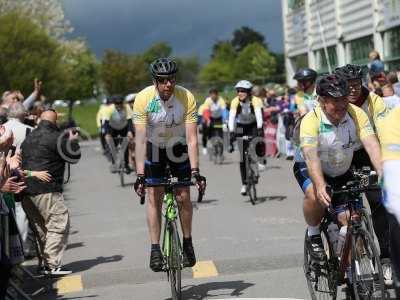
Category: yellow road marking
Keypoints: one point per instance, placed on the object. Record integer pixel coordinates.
(204, 269)
(69, 284)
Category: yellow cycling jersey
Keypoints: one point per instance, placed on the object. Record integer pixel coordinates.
(389, 133)
(336, 143)
(255, 101)
(375, 108)
(305, 101)
(216, 108)
(101, 113)
(201, 109)
(165, 120)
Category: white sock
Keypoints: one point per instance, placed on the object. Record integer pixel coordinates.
(313, 230)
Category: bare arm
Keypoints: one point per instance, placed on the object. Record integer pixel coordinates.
(371, 145)
(140, 151)
(314, 169)
(192, 142)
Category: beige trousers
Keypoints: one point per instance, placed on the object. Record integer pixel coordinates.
(49, 217)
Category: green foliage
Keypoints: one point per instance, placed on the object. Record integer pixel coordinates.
(255, 63)
(161, 49)
(122, 73)
(245, 36)
(28, 52)
(189, 68)
(81, 74)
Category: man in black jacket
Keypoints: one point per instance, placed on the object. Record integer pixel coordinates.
(49, 149)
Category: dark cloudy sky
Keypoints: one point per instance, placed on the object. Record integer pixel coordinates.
(189, 26)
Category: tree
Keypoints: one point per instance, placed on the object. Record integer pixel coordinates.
(220, 70)
(161, 49)
(255, 63)
(81, 71)
(47, 14)
(189, 68)
(122, 73)
(245, 36)
(27, 52)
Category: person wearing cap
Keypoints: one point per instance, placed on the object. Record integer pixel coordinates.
(329, 135)
(118, 124)
(165, 119)
(376, 110)
(100, 119)
(246, 119)
(215, 115)
(305, 98)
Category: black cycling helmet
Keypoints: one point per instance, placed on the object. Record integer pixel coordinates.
(305, 74)
(349, 72)
(213, 91)
(332, 85)
(117, 99)
(163, 67)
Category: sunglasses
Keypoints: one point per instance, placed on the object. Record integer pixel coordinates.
(165, 80)
(241, 90)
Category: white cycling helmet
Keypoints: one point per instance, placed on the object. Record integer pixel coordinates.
(244, 84)
(130, 98)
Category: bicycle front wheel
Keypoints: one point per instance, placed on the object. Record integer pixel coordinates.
(121, 177)
(367, 274)
(175, 262)
(320, 277)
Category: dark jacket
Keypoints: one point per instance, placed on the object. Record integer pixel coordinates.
(47, 148)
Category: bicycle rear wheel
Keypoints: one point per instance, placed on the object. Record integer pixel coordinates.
(367, 273)
(321, 278)
(175, 262)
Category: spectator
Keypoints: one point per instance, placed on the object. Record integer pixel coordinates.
(3, 115)
(389, 97)
(47, 148)
(10, 97)
(393, 79)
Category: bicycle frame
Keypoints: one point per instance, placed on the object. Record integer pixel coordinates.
(171, 215)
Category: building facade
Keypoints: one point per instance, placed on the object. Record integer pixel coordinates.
(324, 34)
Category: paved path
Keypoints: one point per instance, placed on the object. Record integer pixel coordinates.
(244, 251)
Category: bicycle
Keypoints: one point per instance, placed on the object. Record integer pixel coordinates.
(118, 148)
(171, 245)
(252, 173)
(216, 151)
(359, 251)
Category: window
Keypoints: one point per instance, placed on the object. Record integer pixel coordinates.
(322, 63)
(295, 4)
(392, 47)
(300, 61)
(360, 49)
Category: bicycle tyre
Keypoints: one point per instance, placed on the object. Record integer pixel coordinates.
(369, 285)
(250, 181)
(316, 274)
(175, 262)
(367, 221)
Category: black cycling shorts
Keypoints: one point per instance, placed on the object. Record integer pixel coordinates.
(158, 159)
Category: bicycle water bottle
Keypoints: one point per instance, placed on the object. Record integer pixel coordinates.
(341, 240)
(333, 234)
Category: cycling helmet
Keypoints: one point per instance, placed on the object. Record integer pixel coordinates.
(117, 99)
(213, 91)
(130, 98)
(163, 67)
(305, 74)
(349, 72)
(244, 84)
(332, 85)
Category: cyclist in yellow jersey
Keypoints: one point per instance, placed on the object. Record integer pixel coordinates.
(100, 118)
(328, 137)
(390, 143)
(117, 127)
(165, 120)
(245, 119)
(203, 127)
(305, 98)
(375, 108)
(215, 115)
